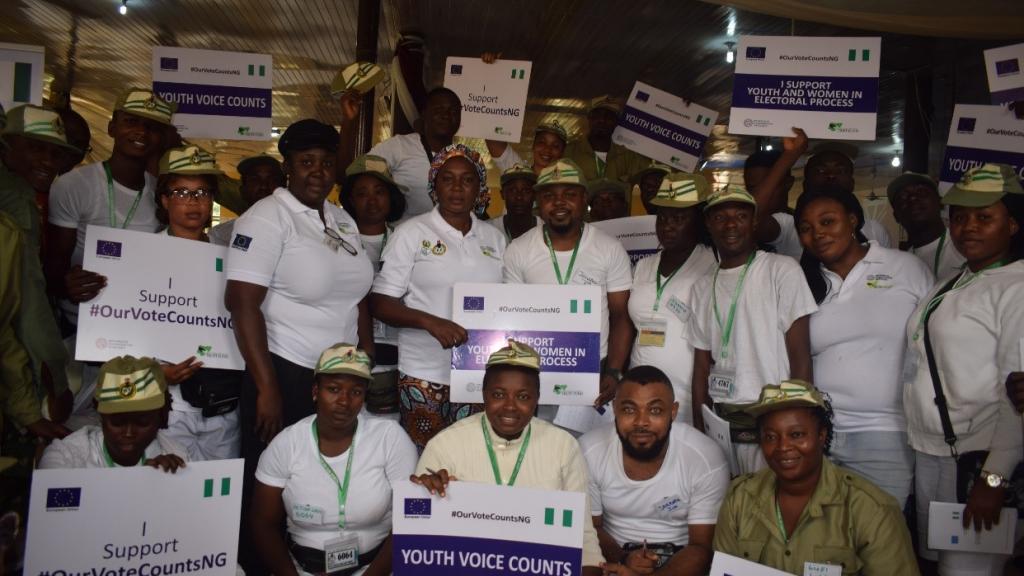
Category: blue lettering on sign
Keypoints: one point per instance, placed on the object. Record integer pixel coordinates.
(216, 100)
(960, 159)
(559, 351)
(807, 93)
(662, 131)
(424, 555)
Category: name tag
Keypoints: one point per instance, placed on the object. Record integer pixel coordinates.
(815, 569)
(680, 309)
(307, 514)
(721, 384)
(652, 333)
(380, 329)
(341, 553)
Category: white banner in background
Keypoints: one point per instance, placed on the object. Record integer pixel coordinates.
(664, 127)
(493, 96)
(1005, 69)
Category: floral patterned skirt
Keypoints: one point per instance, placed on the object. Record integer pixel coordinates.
(425, 408)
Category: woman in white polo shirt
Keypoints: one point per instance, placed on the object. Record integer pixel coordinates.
(330, 476)
(966, 338)
(424, 258)
(660, 299)
(865, 293)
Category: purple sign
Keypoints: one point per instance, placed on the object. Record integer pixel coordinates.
(675, 137)
(216, 100)
(559, 351)
(422, 555)
(807, 93)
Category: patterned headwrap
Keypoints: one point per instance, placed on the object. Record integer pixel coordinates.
(452, 151)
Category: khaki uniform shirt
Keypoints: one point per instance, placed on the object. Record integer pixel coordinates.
(17, 396)
(621, 164)
(848, 521)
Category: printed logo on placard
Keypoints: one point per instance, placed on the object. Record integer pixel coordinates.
(101, 343)
(209, 484)
(838, 127)
(206, 351)
(242, 242)
(168, 64)
(642, 96)
(575, 308)
(1009, 67)
(501, 130)
(564, 519)
(472, 303)
(757, 52)
(456, 69)
(704, 120)
(518, 73)
(865, 55)
(60, 499)
(108, 249)
(417, 507)
(243, 130)
(966, 125)
(563, 390)
(756, 123)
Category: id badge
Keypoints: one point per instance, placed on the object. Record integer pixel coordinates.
(380, 330)
(679, 308)
(341, 553)
(815, 569)
(721, 384)
(652, 333)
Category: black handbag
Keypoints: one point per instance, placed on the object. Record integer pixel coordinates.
(969, 464)
(213, 390)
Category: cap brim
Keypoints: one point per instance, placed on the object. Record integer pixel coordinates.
(665, 203)
(393, 186)
(905, 180)
(519, 176)
(123, 406)
(154, 117)
(959, 197)
(345, 372)
(517, 363)
(757, 410)
(41, 138)
(200, 172)
(711, 205)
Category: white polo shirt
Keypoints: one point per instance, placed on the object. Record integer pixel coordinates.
(409, 163)
(83, 448)
(688, 489)
(788, 241)
(222, 233)
(383, 454)
(313, 291)
(858, 341)
(977, 334)
(80, 198)
(675, 311)
(774, 295)
(949, 261)
(424, 258)
(499, 223)
(601, 261)
(508, 159)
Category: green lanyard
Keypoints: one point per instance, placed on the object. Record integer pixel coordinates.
(110, 201)
(494, 459)
(387, 233)
(966, 279)
(938, 253)
(779, 521)
(600, 164)
(659, 287)
(727, 329)
(342, 486)
(110, 461)
(554, 260)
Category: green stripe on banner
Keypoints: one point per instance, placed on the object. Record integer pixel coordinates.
(220, 264)
(586, 306)
(549, 516)
(208, 488)
(225, 486)
(865, 55)
(567, 518)
(852, 57)
(573, 306)
(22, 81)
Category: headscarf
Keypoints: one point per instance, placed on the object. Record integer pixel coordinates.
(453, 151)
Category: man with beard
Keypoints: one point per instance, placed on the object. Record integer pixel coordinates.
(596, 155)
(655, 487)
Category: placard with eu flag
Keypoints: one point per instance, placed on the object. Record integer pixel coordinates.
(63, 498)
(980, 134)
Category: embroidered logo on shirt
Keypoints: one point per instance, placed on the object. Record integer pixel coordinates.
(489, 251)
(879, 281)
(242, 242)
(439, 249)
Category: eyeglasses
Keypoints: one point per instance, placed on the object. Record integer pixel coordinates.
(184, 194)
(334, 240)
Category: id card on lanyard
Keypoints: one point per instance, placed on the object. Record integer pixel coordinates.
(342, 552)
(721, 382)
(110, 201)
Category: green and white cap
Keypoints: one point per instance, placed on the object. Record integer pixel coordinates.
(654, 166)
(731, 193)
(613, 105)
(564, 171)
(188, 160)
(37, 123)
(983, 186)
(518, 170)
(515, 354)
(906, 179)
(144, 103)
(595, 187)
(788, 394)
(343, 358)
(130, 384)
(360, 76)
(374, 165)
(682, 190)
(555, 128)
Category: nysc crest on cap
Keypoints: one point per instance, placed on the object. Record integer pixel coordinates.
(130, 384)
(37, 123)
(188, 160)
(788, 394)
(515, 354)
(518, 171)
(553, 128)
(731, 193)
(144, 103)
(564, 171)
(983, 186)
(682, 190)
(344, 358)
(374, 165)
(360, 76)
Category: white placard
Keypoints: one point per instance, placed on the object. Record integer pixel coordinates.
(717, 428)
(827, 86)
(563, 323)
(1005, 69)
(493, 96)
(486, 530)
(664, 127)
(219, 94)
(135, 520)
(164, 299)
(946, 531)
(21, 74)
(980, 134)
(636, 233)
(726, 565)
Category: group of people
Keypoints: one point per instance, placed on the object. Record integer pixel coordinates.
(852, 374)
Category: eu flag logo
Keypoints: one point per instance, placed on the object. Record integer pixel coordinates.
(63, 498)
(242, 242)
(1009, 67)
(756, 52)
(456, 69)
(473, 303)
(417, 507)
(108, 248)
(168, 64)
(642, 96)
(966, 125)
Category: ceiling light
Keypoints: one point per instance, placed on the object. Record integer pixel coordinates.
(731, 30)
(124, 7)
(275, 132)
(730, 56)
(768, 147)
(896, 161)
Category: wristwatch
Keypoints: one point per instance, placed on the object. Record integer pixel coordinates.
(994, 480)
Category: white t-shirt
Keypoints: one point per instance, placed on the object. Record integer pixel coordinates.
(508, 159)
(80, 198)
(858, 342)
(382, 333)
(688, 489)
(499, 223)
(675, 311)
(601, 260)
(774, 295)
(83, 448)
(424, 258)
(313, 291)
(384, 454)
(788, 241)
(221, 233)
(410, 167)
(950, 261)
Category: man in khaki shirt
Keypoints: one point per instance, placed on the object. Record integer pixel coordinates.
(595, 154)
